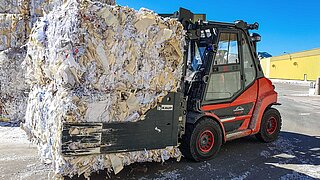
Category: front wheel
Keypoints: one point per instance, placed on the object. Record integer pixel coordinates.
(270, 126)
(202, 140)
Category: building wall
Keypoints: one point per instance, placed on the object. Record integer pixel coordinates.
(265, 64)
(296, 66)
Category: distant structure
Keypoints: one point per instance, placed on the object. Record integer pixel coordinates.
(303, 65)
(262, 55)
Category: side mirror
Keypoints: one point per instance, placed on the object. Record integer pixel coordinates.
(255, 37)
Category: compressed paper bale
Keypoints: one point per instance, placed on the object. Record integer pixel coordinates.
(41, 7)
(12, 31)
(36, 6)
(10, 6)
(18, 16)
(13, 89)
(82, 56)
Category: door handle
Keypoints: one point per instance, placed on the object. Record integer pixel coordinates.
(205, 79)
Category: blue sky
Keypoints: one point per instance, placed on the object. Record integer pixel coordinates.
(285, 25)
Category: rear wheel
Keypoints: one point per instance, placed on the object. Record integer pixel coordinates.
(270, 125)
(202, 140)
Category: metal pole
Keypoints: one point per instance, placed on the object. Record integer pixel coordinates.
(317, 90)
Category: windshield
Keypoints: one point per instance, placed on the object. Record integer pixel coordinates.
(198, 58)
(197, 50)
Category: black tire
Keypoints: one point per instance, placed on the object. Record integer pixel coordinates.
(270, 126)
(196, 143)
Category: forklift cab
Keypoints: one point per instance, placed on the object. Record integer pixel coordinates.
(221, 58)
(225, 87)
(225, 60)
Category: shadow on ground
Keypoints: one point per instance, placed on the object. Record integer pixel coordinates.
(292, 156)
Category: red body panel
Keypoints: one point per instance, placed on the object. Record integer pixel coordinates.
(261, 94)
(266, 97)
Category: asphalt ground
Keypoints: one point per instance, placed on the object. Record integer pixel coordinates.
(295, 155)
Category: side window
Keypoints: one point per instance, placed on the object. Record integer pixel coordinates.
(225, 80)
(223, 85)
(248, 62)
(227, 52)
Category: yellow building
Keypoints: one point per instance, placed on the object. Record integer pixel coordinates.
(303, 65)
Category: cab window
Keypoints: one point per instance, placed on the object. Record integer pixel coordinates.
(227, 52)
(225, 78)
(248, 62)
(223, 85)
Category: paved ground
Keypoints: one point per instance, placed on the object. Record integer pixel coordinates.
(295, 155)
(19, 159)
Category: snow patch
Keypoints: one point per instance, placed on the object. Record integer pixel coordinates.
(304, 114)
(169, 175)
(265, 154)
(13, 135)
(310, 170)
(243, 176)
(315, 149)
(284, 155)
(295, 175)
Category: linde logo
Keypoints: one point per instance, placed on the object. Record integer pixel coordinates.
(239, 108)
(165, 108)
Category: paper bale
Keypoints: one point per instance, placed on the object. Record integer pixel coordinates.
(13, 89)
(12, 31)
(91, 62)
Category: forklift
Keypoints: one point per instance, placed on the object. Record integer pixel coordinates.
(223, 96)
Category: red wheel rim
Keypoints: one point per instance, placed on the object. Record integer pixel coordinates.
(271, 125)
(206, 141)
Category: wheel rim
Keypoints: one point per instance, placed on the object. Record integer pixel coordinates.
(271, 125)
(206, 141)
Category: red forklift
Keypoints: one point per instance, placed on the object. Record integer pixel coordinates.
(223, 96)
